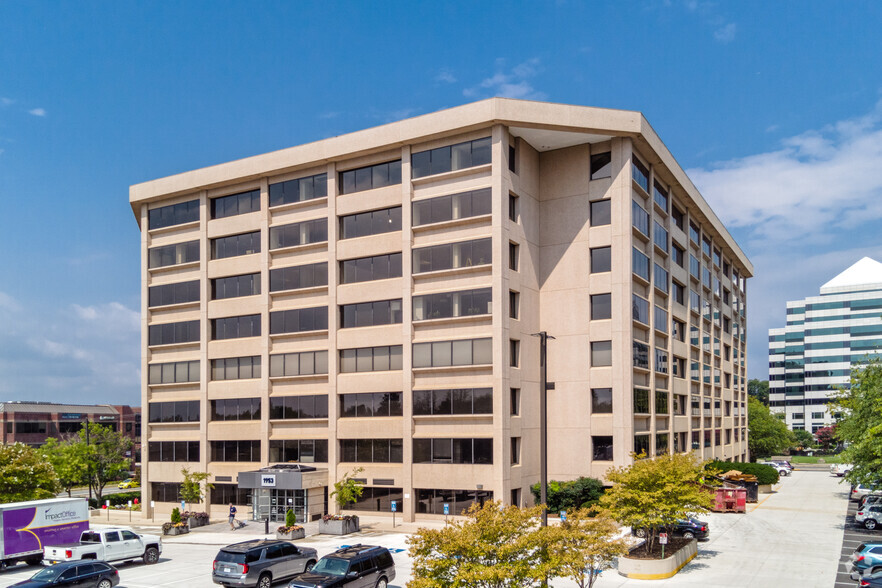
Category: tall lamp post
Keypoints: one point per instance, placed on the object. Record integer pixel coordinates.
(88, 462)
(543, 421)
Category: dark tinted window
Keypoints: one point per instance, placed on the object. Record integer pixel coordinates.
(299, 450)
(181, 411)
(235, 327)
(452, 255)
(299, 320)
(173, 373)
(301, 276)
(235, 368)
(365, 269)
(173, 293)
(451, 157)
(234, 204)
(298, 190)
(384, 559)
(452, 304)
(235, 450)
(305, 363)
(235, 245)
(174, 254)
(451, 207)
(374, 222)
(367, 314)
(370, 177)
(173, 451)
(314, 231)
(173, 333)
(455, 401)
(235, 286)
(175, 214)
(371, 404)
(601, 165)
(313, 406)
(600, 260)
(370, 359)
(235, 409)
(600, 213)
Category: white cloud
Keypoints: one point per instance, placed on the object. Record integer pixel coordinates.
(514, 83)
(446, 76)
(4, 101)
(726, 33)
(37, 111)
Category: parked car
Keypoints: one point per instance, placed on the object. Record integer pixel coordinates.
(840, 469)
(865, 556)
(869, 516)
(871, 498)
(127, 483)
(115, 544)
(260, 562)
(870, 578)
(782, 469)
(687, 528)
(783, 462)
(93, 574)
(859, 491)
(357, 566)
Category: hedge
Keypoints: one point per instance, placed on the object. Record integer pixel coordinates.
(116, 499)
(765, 474)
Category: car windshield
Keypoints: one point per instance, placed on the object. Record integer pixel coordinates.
(331, 566)
(47, 574)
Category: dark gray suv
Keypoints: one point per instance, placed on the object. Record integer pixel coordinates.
(260, 563)
(357, 566)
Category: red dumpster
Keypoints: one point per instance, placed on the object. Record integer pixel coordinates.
(730, 499)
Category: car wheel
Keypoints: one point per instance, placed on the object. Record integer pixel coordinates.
(640, 533)
(265, 581)
(381, 583)
(870, 524)
(151, 555)
(105, 583)
(688, 535)
(309, 565)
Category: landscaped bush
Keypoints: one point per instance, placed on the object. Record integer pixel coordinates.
(764, 474)
(580, 493)
(120, 498)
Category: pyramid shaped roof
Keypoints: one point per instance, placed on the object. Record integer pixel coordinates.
(864, 275)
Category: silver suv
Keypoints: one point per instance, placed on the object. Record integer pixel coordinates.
(260, 563)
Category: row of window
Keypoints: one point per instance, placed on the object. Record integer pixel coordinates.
(312, 406)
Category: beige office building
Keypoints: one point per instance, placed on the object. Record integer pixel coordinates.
(369, 300)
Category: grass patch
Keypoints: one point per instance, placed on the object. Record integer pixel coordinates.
(814, 459)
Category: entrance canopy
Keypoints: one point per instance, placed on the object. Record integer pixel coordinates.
(285, 476)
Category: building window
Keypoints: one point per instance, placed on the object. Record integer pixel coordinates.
(515, 394)
(661, 319)
(641, 444)
(661, 443)
(235, 204)
(678, 255)
(182, 411)
(639, 173)
(235, 327)
(660, 196)
(460, 451)
(172, 451)
(235, 286)
(173, 373)
(370, 404)
(224, 494)
(694, 233)
(365, 269)
(312, 406)
(452, 304)
(601, 401)
(514, 353)
(678, 330)
(300, 276)
(298, 190)
(235, 409)
(601, 165)
(515, 450)
(374, 222)
(660, 236)
(661, 402)
(371, 450)
(452, 256)
(678, 291)
(302, 233)
(305, 363)
(235, 245)
(456, 401)
(601, 306)
(432, 501)
(678, 216)
(640, 309)
(175, 254)
(369, 314)
(706, 246)
(513, 253)
(450, 158)
(679, 402)
(601, 353)
(640, 355)
(602, 447)
(453, 353)
(167, 294)
(600, 213)
(661, 278)
(641, 401)
(640, 264)
(513, 207)
(173, 333)
(174, 214)
(600, 259)
(235, 368)
(678, 367)
(452, 207)
(370, 359)
(512, 158)
(370, 177)
(235, 450)
(299, 320)
(514, 300)
(639, 218)
(299, 450)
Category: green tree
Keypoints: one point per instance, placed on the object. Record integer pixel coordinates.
(861, 423)
(108, 456)
(579, 493)
(826, 438)
(767, 435)
(652, 494)
(70, 459)
(25, 474)
(583, 546)
(802, 439)
(496, 546)
(759, 389)
(347, 489)
(194, 486)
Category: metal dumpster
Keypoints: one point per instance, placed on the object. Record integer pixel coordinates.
(730, 499)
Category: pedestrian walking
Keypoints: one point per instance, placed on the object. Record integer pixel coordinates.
(232, 517)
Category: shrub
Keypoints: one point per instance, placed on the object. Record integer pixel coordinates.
(765, 474)
(570, 496)
(199, 516)
(176, 515)
(290, 519)
(120, 498)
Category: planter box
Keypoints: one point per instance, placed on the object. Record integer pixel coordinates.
(295, 534)
(177, 531)
(339, 527)
(765, 488)
(657, 569)
(193, 522)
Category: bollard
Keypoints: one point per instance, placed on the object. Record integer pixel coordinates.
(266, 525)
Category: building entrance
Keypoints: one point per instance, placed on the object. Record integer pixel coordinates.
(274, 503)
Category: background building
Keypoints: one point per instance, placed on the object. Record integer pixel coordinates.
(811, 358)
(369, 301)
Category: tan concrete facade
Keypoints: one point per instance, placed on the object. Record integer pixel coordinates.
(702, 407)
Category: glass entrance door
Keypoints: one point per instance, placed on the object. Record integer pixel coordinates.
(274, 503)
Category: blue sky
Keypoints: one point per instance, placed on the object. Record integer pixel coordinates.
(773, 108)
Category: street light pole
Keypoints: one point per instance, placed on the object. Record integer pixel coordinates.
(88, 462)
(543, 422)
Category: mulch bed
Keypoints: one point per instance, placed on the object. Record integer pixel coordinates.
(671, 548)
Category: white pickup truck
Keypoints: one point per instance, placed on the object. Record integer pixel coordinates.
(112, 544)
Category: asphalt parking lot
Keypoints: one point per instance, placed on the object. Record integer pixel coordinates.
(854, 535)
(795, 536)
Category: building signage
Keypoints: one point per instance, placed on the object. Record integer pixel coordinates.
(71, 415)
(106, 417)
(268, 480)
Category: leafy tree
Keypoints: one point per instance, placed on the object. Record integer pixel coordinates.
(347, 489)
(652, 494)
(580, 493)
(802, 439)
(759, 389)
(826, 438)
(583, 546)
(861, 424)
(496, 546)
(25, 474)
(107, 456)
(767, 435)
(70, 459)
(192, 486)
